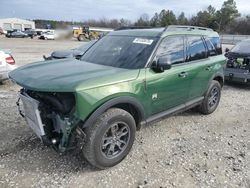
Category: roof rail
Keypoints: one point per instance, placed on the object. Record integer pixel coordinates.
(133, 27)
(186, 27)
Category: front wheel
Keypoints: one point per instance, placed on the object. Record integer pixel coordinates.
(212, 98)
(110, 139)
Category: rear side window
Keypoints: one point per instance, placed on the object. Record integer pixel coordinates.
(172, 48)
(217, 44)
(211, 49)
(195, 48)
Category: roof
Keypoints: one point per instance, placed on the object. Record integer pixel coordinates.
(168, 31)
(15, 20)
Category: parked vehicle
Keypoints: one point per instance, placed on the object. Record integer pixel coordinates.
(16, 34)
(127, 79)
(238, 63)
(7, 64)
(76, 53)
(2, 32)
(84, 34)
(48, 36)
(31, 33)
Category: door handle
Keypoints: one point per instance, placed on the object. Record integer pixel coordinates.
(183, 74)
(209, 68)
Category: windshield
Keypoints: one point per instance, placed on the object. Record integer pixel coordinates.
(86, 46)
(121, 51)
(242, 47)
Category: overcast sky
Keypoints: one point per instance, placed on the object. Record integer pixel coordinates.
(78, 10)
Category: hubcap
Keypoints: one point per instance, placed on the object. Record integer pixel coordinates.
(213, 97)
(115, 140)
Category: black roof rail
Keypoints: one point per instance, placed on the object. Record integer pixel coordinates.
(186, 27)
(133, 27)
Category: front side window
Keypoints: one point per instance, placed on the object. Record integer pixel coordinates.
(127, 52)
(172, 48)
(195, 48)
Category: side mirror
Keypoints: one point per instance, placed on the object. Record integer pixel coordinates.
(161, 64)
(227, 50)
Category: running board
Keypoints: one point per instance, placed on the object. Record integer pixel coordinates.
(175, 110)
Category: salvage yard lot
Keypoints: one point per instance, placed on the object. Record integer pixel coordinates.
(186, 150)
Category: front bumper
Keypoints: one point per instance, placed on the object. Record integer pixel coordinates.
(237, 75)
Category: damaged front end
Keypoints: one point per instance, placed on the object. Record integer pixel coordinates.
(238, 67)
(51, 116)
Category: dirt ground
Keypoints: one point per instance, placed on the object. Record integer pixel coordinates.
(186, 150)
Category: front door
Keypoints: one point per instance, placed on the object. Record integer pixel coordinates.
(170, 88)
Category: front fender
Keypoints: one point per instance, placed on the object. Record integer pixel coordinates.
(118, 100)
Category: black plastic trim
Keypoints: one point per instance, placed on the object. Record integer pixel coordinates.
(119, 100)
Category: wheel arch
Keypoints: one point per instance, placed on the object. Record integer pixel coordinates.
(220, 78)
(127, 103)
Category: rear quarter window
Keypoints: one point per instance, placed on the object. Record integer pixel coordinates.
(217, 44)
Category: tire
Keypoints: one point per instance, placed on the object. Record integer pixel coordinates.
(81, 37)
(100, 140)
(212, 98)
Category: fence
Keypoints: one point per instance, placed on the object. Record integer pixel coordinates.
(233, 39)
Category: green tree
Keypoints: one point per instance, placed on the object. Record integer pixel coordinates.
(206, 18)
(143, 20)
(155, 20)
(182, 20)
(227, 14)
(167, 17)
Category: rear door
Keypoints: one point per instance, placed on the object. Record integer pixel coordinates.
(202, 62)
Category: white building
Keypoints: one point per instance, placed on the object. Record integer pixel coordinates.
(16, 23)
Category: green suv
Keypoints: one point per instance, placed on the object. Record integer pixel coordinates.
(127, 79)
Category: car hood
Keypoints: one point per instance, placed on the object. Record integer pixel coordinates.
(238, 54)
(68, 75)
(66, 53)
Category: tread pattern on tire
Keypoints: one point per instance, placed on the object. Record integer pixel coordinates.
(92, 132)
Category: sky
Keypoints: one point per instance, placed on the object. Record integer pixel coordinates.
(80, 10)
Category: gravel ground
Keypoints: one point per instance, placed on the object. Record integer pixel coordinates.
(186, 150)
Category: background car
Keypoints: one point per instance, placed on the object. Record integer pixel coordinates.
(238, 63)
(7, 64)
(2, 32)
(16, 34)
(31, 33)
(48, 36)
(76, 53)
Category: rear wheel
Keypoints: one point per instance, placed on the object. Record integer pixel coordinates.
(109, 141)
(212, 98)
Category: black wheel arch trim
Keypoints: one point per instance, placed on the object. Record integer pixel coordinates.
(116, 101)
(216, 75)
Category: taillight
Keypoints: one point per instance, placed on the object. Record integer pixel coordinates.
(10, 60)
